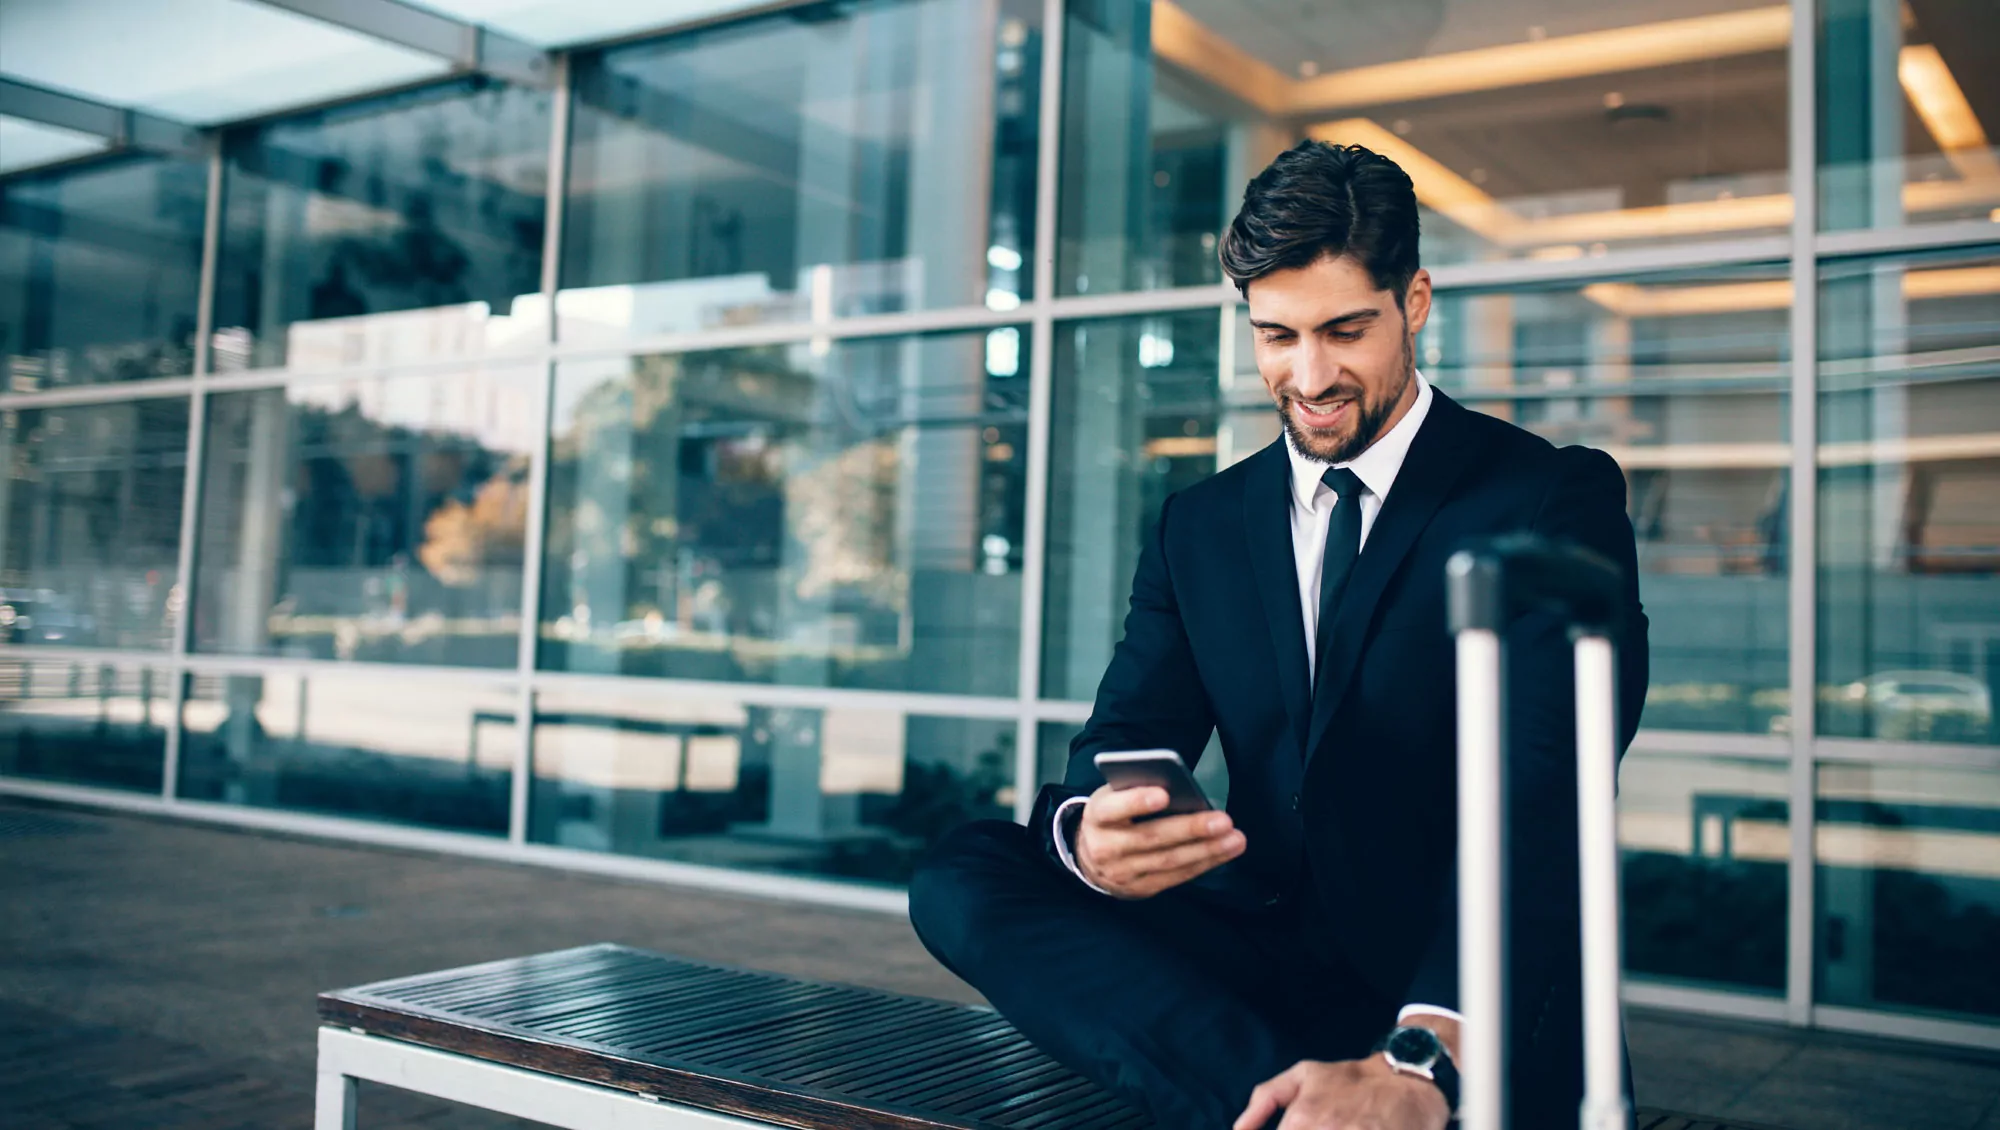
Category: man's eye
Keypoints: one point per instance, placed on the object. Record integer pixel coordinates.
(1347, 335)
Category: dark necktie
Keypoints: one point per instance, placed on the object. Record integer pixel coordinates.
(1343, 545)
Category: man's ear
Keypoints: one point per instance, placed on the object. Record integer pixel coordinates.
(1417, 301)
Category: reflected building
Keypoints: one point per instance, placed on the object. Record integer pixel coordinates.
(722, 435)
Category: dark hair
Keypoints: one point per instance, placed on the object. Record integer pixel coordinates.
(1319, 200)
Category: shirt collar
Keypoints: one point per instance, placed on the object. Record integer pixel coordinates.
(1376, 467)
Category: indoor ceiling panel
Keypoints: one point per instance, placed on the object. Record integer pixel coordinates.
(27, 144)
(199, 61)
(559, 23)
(1305, 37)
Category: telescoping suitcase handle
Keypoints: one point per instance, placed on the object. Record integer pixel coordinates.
(1486, 587)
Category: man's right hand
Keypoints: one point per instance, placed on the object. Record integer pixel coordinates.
(1139, 860)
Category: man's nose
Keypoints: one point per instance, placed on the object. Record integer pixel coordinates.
(1314, 370)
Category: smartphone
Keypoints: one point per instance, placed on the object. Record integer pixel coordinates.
(1163, 768)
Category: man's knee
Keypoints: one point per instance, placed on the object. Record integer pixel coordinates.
(973, 873)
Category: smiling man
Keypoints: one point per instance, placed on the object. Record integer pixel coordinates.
(1293, 962)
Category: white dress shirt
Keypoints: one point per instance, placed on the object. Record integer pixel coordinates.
(1311, 510)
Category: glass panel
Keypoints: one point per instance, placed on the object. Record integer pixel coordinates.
(99, 269)
(198, 60)
(1909, 506)
(1909, 889)
(1683, 379)
(829, 514)
(1706, 844)
(1552, 133)
(403, 751)
(851, 791)
(86, 723)
(372, 519)
(1907, 106)
(90, 523)
(1139, 412)
(879, 156)
(398, 229)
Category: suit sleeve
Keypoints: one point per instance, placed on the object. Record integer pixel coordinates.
(1151, 696)
(1584, 505)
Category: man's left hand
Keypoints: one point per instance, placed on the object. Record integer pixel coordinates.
(1362, 1094)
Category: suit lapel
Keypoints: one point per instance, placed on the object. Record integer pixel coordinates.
(1435, 460)
(1267, 524)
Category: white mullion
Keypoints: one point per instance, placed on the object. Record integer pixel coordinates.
(185, 561)
(115, 393)
(1876, 241)
(534, 543)
(1041, 359)
(1802, 587)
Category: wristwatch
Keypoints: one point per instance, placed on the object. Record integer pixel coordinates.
(1415, 1050)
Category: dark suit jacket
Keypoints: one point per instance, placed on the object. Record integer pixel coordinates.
(1358, 773)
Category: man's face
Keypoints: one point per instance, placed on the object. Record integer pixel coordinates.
(1336, 353)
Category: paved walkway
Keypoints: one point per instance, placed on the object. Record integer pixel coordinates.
(162, 974)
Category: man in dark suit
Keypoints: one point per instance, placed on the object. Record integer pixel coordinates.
(1219, 968)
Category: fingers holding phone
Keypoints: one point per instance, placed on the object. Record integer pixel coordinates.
(1150, 829)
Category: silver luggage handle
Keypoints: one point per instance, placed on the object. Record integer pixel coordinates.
(1486, 587)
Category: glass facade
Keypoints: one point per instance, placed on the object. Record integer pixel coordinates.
(870, 158)
(379, 518)
(437, 755)
(84, 722)
(91, 506)
(385, 231)
(1909, 498)
(1907, 114)
(734, 448)
(100, 271)
(1909, 889)
(852, 791)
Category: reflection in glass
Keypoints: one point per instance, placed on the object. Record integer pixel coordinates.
(373, 519)
(1138, 414)
(90, 523)
(438, 754)
(1909, 505)
(1618, 124)
(828, 514)
(849, 791)
(1909, 889)
(1706, 843)
(397, 229)
(874, 157)
(1906, 104)
(85, 723)
(99, 269)
(1683, 379)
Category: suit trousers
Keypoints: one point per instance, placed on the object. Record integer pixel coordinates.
(1178, 1003)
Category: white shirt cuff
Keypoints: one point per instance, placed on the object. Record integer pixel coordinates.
(1062, 843)
(1410, 1010)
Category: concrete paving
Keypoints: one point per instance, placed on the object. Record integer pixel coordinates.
(155, 973)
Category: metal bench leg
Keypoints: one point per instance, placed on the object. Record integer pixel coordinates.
(333, 1108)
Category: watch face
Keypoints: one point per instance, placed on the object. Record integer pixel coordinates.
(1417, 1047)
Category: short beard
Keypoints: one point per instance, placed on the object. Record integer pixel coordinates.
(1368, 421)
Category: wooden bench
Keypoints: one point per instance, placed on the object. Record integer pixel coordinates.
(608, 1037)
